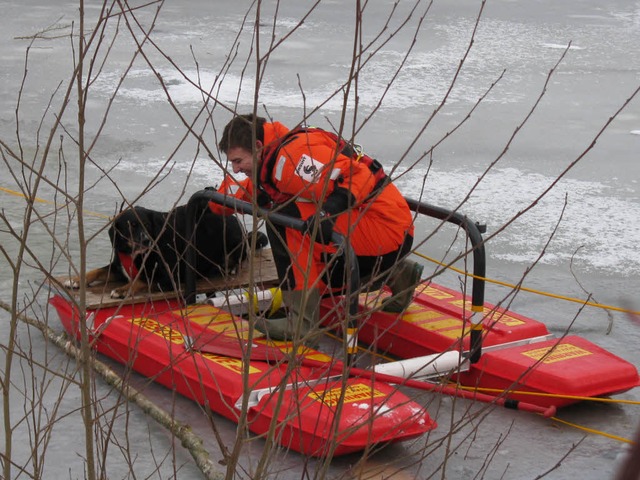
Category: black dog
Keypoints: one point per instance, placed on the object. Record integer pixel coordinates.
(150, 249)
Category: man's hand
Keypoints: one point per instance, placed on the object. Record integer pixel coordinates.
(320, 224)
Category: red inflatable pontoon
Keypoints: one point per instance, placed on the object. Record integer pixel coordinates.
(315, 414)
(520, 358)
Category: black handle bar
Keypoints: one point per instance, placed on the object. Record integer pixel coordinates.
(474, 232)
(344, 247)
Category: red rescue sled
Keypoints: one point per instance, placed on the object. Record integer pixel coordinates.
(520, 358)
(494, 339)
(314, 413)
(511, 356)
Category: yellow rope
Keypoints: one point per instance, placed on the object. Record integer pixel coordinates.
(530, 290)
(493, 390)
(496, 282)
(569, 397)
(18, 194)
(549, 395)
(48, 202)
(592, 430)
(501, 391)
(539, 394)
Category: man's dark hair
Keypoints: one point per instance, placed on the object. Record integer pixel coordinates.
(239, 132)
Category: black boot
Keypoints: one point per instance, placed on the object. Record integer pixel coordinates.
(301, 320)
(402, 281)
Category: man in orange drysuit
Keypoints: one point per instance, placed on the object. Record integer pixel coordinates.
(313, 175)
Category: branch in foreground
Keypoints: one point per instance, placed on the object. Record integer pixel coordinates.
(189, 440)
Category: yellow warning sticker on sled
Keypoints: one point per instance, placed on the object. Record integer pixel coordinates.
(164, 331)
(233, 364)
(557, 353)
(436, 293)
(205, 314)
(357, 392)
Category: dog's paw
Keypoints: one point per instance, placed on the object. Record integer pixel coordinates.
(261, 239)
(119, 293)
(72, 282)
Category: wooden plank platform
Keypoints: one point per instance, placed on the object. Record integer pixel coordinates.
(264, 273)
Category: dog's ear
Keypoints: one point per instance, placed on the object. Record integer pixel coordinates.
(148, 220)
(139, 217)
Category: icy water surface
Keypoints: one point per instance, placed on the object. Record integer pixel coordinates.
(591, 211)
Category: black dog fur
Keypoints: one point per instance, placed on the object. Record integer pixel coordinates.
(156, 243)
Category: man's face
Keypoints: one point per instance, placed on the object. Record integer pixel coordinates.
(241, 159)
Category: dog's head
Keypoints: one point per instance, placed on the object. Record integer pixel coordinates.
(131, 232)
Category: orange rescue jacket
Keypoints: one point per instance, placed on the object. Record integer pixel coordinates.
(306, 166)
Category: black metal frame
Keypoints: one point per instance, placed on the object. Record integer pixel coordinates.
(344, 247)
(474, 232)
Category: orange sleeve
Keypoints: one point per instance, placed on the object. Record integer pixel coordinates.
(240, 189)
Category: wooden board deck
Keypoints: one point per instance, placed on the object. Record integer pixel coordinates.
(98, 295)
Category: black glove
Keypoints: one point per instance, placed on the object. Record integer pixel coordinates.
(263, 199)
(322, 225)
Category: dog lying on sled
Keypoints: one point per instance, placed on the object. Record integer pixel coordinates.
(150, 249)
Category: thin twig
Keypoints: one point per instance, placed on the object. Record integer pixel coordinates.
(182, 432)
